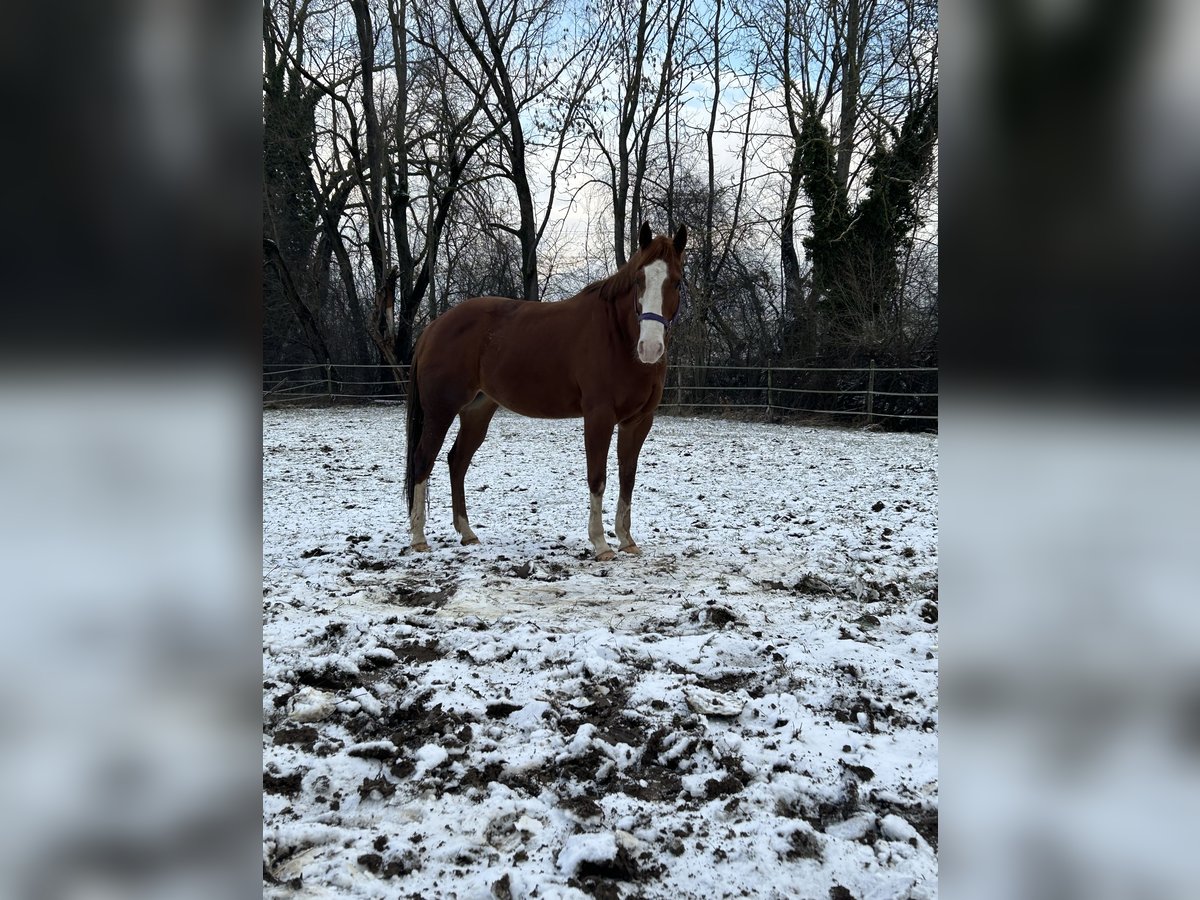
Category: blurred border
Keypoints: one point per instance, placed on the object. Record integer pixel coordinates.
(1070, 175)
(130, 531)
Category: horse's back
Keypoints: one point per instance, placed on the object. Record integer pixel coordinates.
(522, 326)
(462, 319)
(460, 333)
(517, 352)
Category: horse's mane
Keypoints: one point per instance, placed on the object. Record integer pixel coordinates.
(615, 285)
(622, 281)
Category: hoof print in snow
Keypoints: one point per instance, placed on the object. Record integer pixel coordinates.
(878, 507)
(417, 597)
(837, 892)
(710, 703)
(315, 551)
(592, 862)
(380, 658)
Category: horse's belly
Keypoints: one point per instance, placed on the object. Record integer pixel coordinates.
(541, 406)
(530, 383)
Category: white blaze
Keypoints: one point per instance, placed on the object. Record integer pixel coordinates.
(652, 336)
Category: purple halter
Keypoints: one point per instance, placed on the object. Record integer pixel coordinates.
(655, 317)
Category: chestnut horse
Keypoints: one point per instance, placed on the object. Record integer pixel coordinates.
(600, 355)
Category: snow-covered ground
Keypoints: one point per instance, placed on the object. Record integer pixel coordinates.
(748, 710)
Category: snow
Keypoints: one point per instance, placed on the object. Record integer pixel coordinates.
(309, 705)
(588, 847)
(429, 757)
(895, 828)
(751, 706)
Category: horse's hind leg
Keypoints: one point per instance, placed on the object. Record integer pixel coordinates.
(438, 417)
(473, 426)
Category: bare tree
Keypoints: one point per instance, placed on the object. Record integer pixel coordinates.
(433, 142)
(850, 73)
(643, 40)
(520, 64)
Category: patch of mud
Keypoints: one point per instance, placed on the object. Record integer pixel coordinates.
(418, 652)
(422, 595)
(302, 738)
(601, 879)
(288, 785)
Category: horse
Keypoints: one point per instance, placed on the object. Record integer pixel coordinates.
(600, 354)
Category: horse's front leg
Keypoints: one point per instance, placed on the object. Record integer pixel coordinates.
(630, 437)
(597, 436)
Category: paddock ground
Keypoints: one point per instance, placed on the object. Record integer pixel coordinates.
(749, 709)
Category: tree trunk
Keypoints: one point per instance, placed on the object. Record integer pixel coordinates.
(629, 109)
(799, 342)
(386, 332)
(308, 322)
(850, 89)
(372, 183)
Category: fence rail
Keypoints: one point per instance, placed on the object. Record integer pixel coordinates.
(906, 397)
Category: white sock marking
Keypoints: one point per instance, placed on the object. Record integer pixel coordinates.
(417, 514)
(624, 518)
(596, 524)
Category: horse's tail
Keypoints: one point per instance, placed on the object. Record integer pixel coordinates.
(416, 424)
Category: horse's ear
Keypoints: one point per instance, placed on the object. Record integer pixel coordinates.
(681, 239)
(645, 236)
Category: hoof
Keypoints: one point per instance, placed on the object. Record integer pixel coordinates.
(632, 550)
(421, 547)
(468, 541)
(606, 556)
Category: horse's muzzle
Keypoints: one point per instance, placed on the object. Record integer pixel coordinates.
(650, 351)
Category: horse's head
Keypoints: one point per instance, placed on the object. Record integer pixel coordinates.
(660, 271)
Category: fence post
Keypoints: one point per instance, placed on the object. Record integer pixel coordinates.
(871, 392)
(329, 379)
(768, 389)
